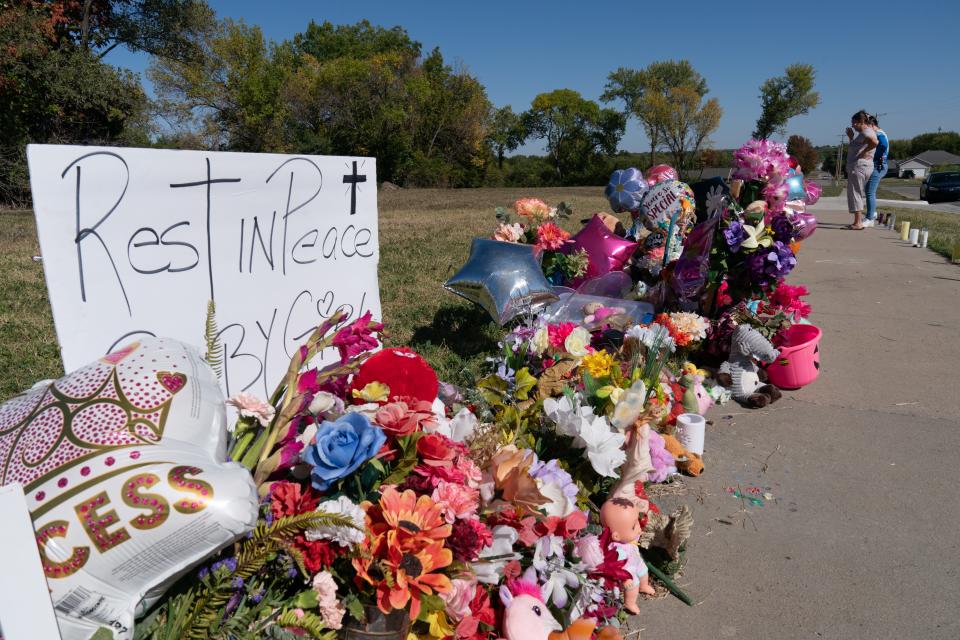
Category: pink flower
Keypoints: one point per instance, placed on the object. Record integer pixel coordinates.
(458, 599)
(775, 193)
(250, 406)
(550, 237)
(508, 232)
(456, 500)
(330, 608)
(558, 333)
(405, 417)
(589, 551)
(533, 208)
(357, 337)
(471, 471)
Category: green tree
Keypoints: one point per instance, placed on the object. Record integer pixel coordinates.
(52, 90)
(784, 97)
(504, 132)
(576, 130)
(328, 41)
(631, 86)
(684, 119)
(802, 149)
(230, 92)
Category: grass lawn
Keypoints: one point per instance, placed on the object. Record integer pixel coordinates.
(944, 229)
(425, 237)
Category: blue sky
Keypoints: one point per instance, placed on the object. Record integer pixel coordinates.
(899, 58)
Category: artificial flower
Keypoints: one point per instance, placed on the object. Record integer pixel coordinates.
(341, 447)
(510, 468)
(290, 499)
(598, 363)
(440, 627)
(557, 333)
(689, 324)
(783, 229)
(401, 418)
(653, 336)
(500, 551)
(250, 406)
(509, 232)
(540, 341)
(734, 235)
(372, 392)
(577, 343)
(533, 208)
(437, 450)
(356, 337)
(756, 237)
(468, 538)
(763, 160)
(456, 500)
(408, 520)
(411, 576)
(457, 600)
(550, 237)
(331, 610)
(324, 403)
(550, 567)
(604, 447)
(588, 550)
(342, 535)
(772, 264)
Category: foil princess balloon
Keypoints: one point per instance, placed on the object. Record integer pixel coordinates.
(123, 463)
(812, 190)
(625, 190)
(669, 207)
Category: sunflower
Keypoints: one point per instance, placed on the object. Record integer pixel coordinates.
(406, 575)
(405, 520)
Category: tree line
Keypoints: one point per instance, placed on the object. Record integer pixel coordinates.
(332, 89)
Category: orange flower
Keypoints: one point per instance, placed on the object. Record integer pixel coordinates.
(510, 468)
(550, 237)
(404, 576)
(533, 208)
(404, 520)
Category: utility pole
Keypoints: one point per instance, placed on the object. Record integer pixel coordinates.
(839, 156)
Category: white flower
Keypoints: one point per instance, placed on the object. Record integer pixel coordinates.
(630, 406)
(463, 425)
(604, 447)
(323, 402)
(590, 432)
(490, 572)
(577, 342)
(652, 334)
(560, 504)
(540, 341)
(548, 560)
(714, 201)
(346, 536)
(250, 406)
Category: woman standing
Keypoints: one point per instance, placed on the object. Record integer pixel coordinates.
(859, 165)
(879, 169)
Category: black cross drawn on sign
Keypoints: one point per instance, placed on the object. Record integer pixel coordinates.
(353, 179)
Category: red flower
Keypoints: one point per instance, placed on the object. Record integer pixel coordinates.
(357, 337)
(557, 333)
(481, 612)
(566, 528)
(525, 526)
(611, 571)
(550, 237)
(437, 450)
(290, 499)
(468, 539)
(317, 554)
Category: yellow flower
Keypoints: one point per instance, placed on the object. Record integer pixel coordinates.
(373, 392)
(598, 363)
(439, 626)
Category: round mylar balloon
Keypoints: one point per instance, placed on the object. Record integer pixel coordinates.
(660, 172)
(123, 467)
(669, 207)
(625, 190)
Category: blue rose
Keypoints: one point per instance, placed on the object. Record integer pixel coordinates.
(625, 190)
(341, 447)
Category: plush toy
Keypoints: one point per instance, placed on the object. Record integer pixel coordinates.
(596, 312)
(687, 461)
(404, 372)
(526, 615)
(741, 374)
(622, 517)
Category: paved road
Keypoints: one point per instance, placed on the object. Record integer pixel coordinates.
(860, 540)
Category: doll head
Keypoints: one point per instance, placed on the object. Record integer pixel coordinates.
(621, 516)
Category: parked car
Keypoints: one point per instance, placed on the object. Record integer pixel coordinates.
(941, 186)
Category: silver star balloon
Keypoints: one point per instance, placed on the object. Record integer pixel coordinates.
(502, 277)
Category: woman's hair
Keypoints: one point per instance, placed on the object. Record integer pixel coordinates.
(860, 116)
(872, 120)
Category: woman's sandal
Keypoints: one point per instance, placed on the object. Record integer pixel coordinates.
(855, 228)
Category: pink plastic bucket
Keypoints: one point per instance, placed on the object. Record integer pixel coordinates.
(799, 361)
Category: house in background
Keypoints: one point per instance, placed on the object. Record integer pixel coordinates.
(922, 163)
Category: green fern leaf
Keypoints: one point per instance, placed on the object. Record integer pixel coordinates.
(214, 355)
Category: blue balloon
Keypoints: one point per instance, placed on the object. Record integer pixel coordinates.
(625, 190)
(795, 187)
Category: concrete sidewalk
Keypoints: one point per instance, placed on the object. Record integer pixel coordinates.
(839, 203)
(861, 537)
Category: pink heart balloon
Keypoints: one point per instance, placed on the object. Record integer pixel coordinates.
(806, 224)
(606, 251)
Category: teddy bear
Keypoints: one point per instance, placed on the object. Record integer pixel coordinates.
(686, 460)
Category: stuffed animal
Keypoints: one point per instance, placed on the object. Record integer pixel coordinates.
(582, 629)
(526, 616)
(687, 461)
(741, 374)
(695, 396)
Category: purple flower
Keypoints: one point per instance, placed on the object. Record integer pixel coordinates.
(771, 264)
(257, 595)
(782, 229)
(734, 234)
(551, 472)
(237, 583)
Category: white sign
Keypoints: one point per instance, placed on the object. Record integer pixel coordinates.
(137, 241)
(25, 608)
